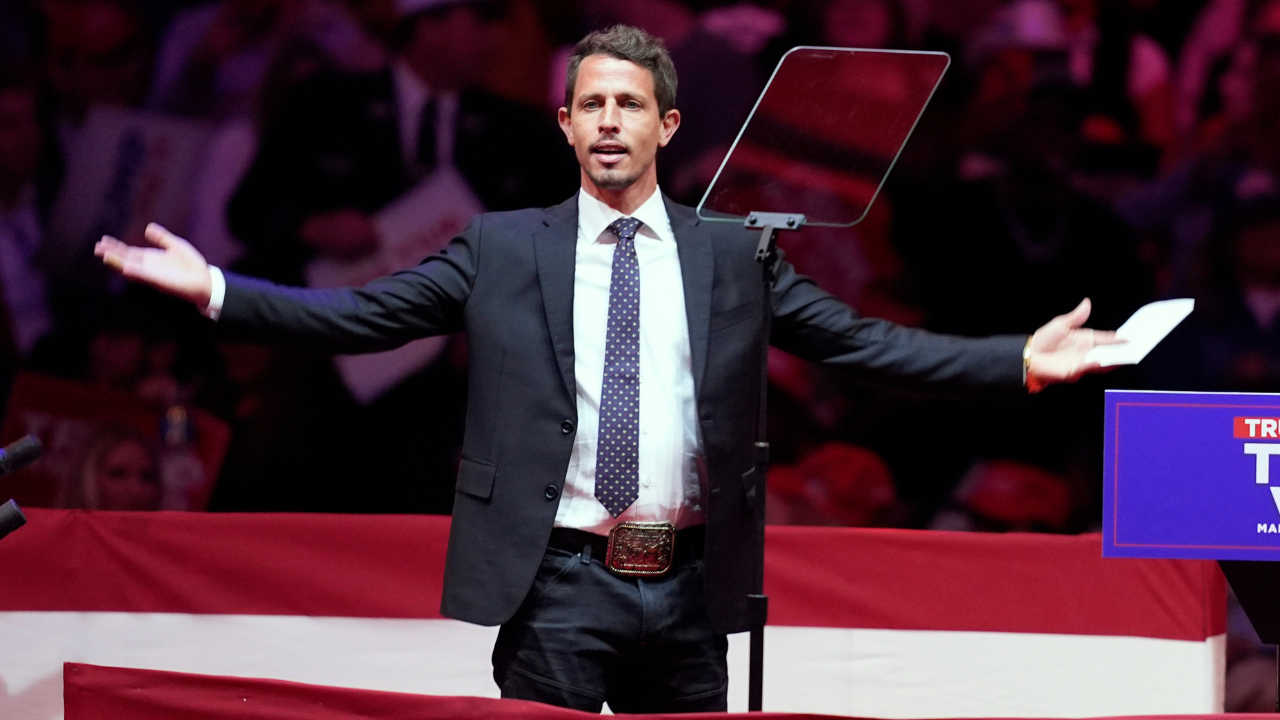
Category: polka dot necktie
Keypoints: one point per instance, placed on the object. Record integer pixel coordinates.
(618, 448)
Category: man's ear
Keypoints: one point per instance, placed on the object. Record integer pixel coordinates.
(566, 124)
(670, 123)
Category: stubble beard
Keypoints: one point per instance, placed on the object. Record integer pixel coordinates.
(615, 180)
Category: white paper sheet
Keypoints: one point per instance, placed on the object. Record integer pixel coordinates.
(1142, 332)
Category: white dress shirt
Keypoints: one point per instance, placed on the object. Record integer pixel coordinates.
(670, 488)
(669, 484)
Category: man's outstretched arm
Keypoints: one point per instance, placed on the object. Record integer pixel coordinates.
(386, 313)
(811, 323)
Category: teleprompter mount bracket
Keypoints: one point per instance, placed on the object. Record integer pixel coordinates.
(768, 223)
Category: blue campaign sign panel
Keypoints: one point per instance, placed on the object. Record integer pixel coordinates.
(1191, 475)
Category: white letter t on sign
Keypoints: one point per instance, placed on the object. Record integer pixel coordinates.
(1264, 451)
(1262, 475)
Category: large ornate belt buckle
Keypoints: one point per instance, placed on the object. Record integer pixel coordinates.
(641, 548)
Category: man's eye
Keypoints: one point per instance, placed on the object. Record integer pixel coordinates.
(633, 105)
(590, 105)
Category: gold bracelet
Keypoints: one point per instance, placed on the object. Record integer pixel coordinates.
(1029, 381)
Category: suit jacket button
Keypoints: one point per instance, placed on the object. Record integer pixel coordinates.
(566, 427)
(551, 492)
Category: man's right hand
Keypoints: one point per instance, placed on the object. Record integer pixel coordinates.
(172, 266)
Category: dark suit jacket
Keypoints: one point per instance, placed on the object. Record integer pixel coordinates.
(508, 281)
(335, 143)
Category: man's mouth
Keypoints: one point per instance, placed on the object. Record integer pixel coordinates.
(609, 153)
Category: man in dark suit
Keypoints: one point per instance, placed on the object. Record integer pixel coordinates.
(339, 148)
(605, 500)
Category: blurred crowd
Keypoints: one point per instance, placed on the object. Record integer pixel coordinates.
(1123, 150)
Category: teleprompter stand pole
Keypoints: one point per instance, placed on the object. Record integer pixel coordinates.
(757, 602)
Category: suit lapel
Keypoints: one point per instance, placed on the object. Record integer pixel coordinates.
(697, 265)
(555, 249)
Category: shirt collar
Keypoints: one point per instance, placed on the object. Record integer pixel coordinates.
(595, 216)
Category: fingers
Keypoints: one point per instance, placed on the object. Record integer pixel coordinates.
(157, 235)
(107, 244)
(1077, 317)
(112, 251)
(125, 259)
(1107, 337)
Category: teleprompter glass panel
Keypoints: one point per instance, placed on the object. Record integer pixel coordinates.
(824, 134)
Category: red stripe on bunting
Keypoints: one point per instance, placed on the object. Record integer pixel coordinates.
(1029, 583)
(391, 566)
(253, 564)
(94, 692)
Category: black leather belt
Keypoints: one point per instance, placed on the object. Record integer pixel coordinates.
(688, 545)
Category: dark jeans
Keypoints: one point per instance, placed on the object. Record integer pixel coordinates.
(584, 636)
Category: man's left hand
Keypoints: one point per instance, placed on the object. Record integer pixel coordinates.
(1058, 350)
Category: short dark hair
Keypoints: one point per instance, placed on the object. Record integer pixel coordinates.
(627, 43)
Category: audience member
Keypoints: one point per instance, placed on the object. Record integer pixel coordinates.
(343, 146)
(214, 59)
(99, 54)
(120, 471)
(836, 484)
(864, 23)
(1215, 41)
(1184, 210)
(747, 26)
(1013, 240)
(97, 68)
(291, 420)
(1004, 496)
(1126, 123)
(229, 61)
(1132, 100)
(137, 343)
(1232, 341)
(24, 309)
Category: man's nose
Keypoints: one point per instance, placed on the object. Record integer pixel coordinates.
(611, 117)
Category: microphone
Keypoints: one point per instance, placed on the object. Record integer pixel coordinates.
(11, 518)
(15, 456)
(20, 453)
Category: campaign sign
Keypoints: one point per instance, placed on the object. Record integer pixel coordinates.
(1189, 475)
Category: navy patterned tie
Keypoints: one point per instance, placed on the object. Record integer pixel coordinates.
(618, 449)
